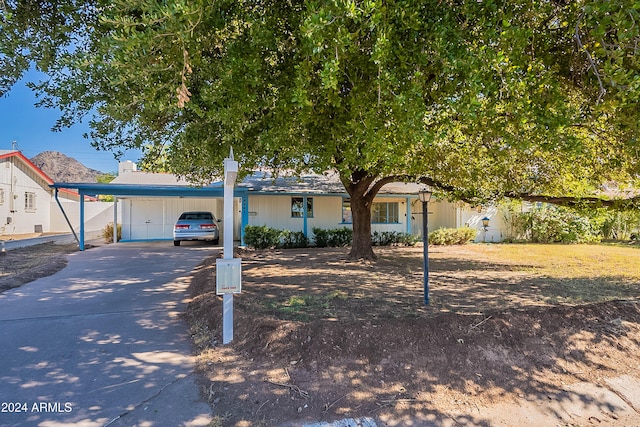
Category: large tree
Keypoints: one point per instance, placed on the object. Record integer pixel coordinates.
(480, 99)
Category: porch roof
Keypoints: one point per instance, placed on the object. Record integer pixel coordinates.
(135, 190)
(263, 183)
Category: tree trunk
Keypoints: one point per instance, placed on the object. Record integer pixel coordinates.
(361, 216)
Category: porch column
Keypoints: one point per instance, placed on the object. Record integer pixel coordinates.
(304, 215)
(115, 220)
(81, 243)
(409, 225)
(244, 216)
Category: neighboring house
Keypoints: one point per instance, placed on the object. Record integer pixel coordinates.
(150, 203)
(27, 202)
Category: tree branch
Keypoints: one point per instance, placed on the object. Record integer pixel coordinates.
(468, 196)
(592, 63)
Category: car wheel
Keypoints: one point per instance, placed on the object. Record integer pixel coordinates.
(216, 241)
(176, 243)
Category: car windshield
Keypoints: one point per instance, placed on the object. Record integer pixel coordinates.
(197, 215)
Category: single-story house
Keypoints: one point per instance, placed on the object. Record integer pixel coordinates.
(148, 205)
(29, 205)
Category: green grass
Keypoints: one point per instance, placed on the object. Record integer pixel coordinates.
(303, 307)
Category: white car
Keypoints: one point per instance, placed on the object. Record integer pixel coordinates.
(196, 226)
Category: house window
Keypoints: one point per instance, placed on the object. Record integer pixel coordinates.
(29, 201)
(297, 207)
(1, 196)
(384, 213)
(347, 217)
(381, 213)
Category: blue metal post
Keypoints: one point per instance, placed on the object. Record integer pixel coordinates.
(244, 216)
(81, 221)
(425, 242)
(304, 215)
(66, 217)
(408, 213)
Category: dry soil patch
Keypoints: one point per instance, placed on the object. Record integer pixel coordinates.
(318, 337)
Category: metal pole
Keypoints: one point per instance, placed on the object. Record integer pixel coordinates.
(65, 216)
(230, 175)
(115, 219)
(227, 240)
(425, 243)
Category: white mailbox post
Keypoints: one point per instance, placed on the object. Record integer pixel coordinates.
(228, 269)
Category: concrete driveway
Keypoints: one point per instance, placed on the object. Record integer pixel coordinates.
(102, 341)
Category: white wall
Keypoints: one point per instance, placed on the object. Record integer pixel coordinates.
(442, 214)
(153, 218)
(96, 215)
(15, 181)
(275, 211)
(473, 218)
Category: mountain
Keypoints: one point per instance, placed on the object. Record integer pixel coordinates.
(62, 168)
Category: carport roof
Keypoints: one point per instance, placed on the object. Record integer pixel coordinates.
(149, 184)
(123, 190)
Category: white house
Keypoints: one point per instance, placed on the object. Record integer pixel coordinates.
(280, 203)
(28, 204)
(150, 203)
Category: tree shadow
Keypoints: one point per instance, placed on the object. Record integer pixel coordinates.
(493, 334)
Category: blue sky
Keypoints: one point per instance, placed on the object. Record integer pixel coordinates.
(30, 128)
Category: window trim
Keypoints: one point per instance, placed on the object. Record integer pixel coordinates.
(301, 199)
(387, 204)
(30, 201)
(347, 201)
(346, 204)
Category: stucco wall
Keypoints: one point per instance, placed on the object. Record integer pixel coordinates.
(442, 214)
(96, 215)
(153, 218)
(15, 181)
(473, 218)
(275, 211)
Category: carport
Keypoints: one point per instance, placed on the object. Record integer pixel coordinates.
(152, 191)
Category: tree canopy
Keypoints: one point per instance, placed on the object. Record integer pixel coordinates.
(479, 99)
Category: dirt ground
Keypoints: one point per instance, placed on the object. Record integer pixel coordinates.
(320, 338)
(23, 265)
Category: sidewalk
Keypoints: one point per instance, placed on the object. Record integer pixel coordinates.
(16, 241)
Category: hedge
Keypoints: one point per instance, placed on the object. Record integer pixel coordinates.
(263, 237)
(452, 236)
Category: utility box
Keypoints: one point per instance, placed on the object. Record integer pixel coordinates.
(228, 276)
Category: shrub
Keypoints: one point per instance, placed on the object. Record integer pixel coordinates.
(384, 238)
(107, 232)
(293, 239)
(452, 236)
(409, 239)
(620, 225)
(336, 237)
(261, 236)
(320, 237)
(387, 238)
(558, 225)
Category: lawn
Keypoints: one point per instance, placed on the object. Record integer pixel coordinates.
(321, 283)
(320, 337)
